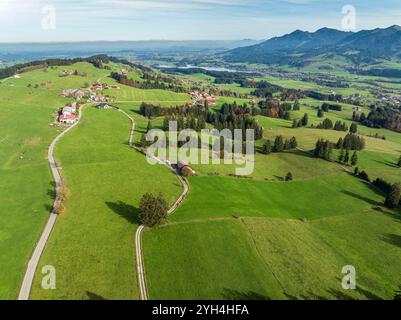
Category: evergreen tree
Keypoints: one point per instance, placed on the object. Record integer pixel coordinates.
(353, 128)
(356, 171)
(393, 197)
(289, 177)
(341, 156)
(152, 210)
(287, 145)
(293, 143)
(296, 106)
(150, 127)
(354, 159)
(305, 120)
(320, 113)
(166, 123)
(339, 144)
(278, 144)
(143, 143)
(267, 147)
(323, 149)
(346, 157)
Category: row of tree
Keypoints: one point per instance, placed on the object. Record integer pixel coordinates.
(279, 145)
(303, 122)
(148, 84)
(351, 141)
(344, 157)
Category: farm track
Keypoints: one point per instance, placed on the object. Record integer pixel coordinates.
(138, 235)
(34, 261)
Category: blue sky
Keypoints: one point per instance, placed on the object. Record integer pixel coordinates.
(80, 20)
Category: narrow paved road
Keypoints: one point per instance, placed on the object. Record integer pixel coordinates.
(34, 261)
(138, 236)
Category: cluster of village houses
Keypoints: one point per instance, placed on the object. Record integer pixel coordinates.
(92, 93)
(68, 113)
(202, 98)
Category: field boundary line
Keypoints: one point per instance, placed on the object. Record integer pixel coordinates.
(26, 286)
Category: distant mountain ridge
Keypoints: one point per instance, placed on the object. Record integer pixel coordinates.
(375, 43)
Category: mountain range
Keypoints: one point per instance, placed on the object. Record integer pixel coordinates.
(362, 45)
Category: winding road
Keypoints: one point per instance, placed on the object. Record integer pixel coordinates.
(138, 235)
(34, 261)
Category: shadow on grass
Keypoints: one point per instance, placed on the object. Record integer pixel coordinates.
(396, 214)
(230, 294)
(359, 197)
(127, 211)
(94, 296)
(388, 163)
(393, 239)
(397, 295)
(335, 294)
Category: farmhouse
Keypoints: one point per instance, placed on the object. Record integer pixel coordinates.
(68, 110)
(73, 93)
(67, 118)
(98, 97)
(185, 169)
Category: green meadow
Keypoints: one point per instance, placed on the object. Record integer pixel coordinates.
(255, 237)
(92, 245)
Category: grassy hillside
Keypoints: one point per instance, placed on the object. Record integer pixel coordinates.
(92, 246)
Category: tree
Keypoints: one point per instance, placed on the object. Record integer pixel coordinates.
(166, 124)
(323, 149)
(267, 147)
(346, 157)
(353, 128)
(152, 210)
(340, 143)
(393, 197)
(143, 143)
(341, 156)
(320, 113)
(296, 106)
(356, 171)
(278, 144)
(289, 177)
(354, 159)
(293, 143)
(399, 163)
(150, 127)
(305, 120)
(364, 176)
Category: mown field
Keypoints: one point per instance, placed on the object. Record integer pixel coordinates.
(297, 235)
(26, 188)
(92, 245)
(29, 106)
(256, 237)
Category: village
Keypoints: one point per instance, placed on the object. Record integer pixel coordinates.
(68, 114)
